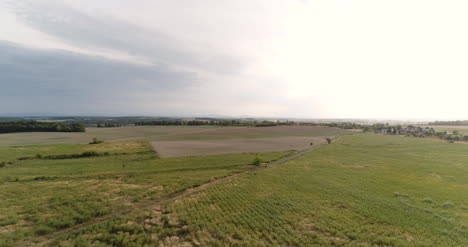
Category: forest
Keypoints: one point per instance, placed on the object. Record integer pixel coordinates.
(34, 126)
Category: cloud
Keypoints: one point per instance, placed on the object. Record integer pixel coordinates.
(111, 34)
(62, 81)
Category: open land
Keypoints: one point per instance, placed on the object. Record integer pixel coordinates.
(461, 129)
(159, 133)
(244, 140)
(211, 147)
(360, 190)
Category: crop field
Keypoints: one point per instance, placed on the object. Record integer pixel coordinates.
(212, 147)
(107, 134)
(163, 133)
(362, 190)
(40, 197)
(461, 129)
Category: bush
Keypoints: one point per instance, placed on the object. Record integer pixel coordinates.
(38, 156)
(76, 156)
(329, 141)
(25, 158)
(256, 161)
(96, 141)
(311, 143)
(2, 164)
(89, 154)
(43, 230)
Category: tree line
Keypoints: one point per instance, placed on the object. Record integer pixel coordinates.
(34, 126)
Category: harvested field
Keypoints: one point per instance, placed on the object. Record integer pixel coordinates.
(212, 147)
(149, 133)
(161, 133)
(270, 130)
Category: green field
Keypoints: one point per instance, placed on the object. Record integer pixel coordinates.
(362, 190)
(39, 197)
(462, 129)
(365, 190)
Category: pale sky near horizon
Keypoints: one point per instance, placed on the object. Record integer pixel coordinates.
(283, 58)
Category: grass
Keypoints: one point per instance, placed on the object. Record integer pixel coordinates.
(461, 129)
(40, 196)
(362, 190)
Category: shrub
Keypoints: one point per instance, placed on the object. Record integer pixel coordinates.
(329, 141)
(43, 230)
(256, 161)
(2, 164)
(25, 158)
(96, 141)
(311, 143)
(38, 156)
(89, 154)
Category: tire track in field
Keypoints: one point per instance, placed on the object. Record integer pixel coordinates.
(157, 203)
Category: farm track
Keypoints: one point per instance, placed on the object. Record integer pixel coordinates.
(157, 203)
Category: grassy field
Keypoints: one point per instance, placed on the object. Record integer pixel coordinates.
(40, 197)
(363, 190)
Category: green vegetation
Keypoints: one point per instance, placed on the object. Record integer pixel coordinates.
(63, 186)
(256, 161)
(96, 141)
(362, 190)
(33, 126)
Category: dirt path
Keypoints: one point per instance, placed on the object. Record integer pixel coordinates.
(286, 159)
(163, 200)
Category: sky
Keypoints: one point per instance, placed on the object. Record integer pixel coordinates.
(400, 59)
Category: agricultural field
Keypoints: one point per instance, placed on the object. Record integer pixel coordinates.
(164, 133)
(462, 129)
(42, 196)
(213, 147)
(362, 190)
(107, 134)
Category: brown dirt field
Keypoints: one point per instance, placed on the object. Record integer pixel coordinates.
(168, 149)
(268, 130)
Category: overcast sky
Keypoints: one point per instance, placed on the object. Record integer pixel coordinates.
(281, 58)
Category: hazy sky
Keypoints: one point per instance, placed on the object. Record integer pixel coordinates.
(281, 58)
